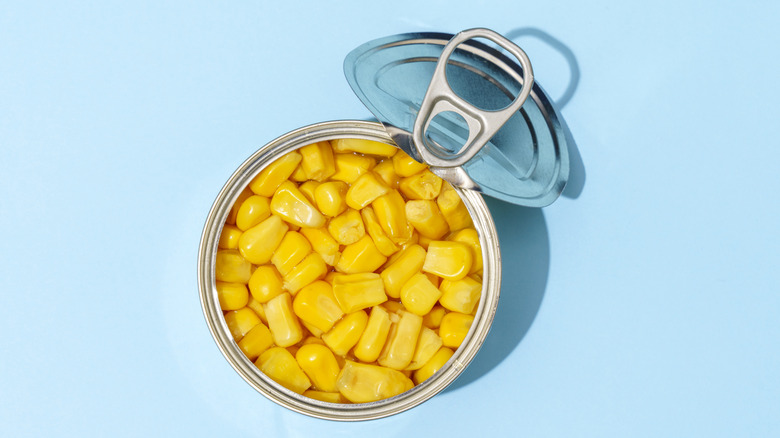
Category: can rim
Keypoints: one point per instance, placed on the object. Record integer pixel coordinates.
(273, 391)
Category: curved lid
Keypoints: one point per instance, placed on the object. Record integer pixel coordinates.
(462, 117)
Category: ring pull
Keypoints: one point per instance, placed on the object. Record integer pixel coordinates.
(482, 124)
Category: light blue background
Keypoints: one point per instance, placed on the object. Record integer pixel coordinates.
(643, 303)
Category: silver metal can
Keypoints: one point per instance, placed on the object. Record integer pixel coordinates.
(491, 282)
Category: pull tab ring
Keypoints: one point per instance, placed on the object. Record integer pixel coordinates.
(482, 124)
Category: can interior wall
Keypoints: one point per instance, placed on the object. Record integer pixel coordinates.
(491, 282)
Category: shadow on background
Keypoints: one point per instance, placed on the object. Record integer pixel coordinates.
(525, 255)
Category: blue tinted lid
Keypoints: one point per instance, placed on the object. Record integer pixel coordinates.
(525, 162)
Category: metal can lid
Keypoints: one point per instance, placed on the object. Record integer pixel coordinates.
(461, 106)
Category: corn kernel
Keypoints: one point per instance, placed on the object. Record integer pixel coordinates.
(231, 218)
(299, 175)
(346, 333)
(316, 305)
(312, 339)
(454, 327)
(393, 307)
(256, 341)
(313, 331)
(470, 237)
(358, 291)
(361, 256)
(449, 260)
(229, 237)
(350, 166)
(275, 174)
(265, 283)
(454, 210)
(323, 244)
(308, 188)
(432, 319)
(253, 211)
(390, 209)
(328, 397)
(422, 185)
(311, 269)
(386, 171)
(405, 165)
(331, 198)
(293, 248)
(282, 321)
(424, 241)
(280, 365)
(401, 342)
(363, 147)
(426, 218)
(258, 243)
(460, 295)
(409, 262)
(363, 383)
(289, 203)
(319, 364)
(383, 243)
(240, 321)
(317, 161)
(434, 364)
(231, 267)
(419, 295)
(365, 189)
(428, 344)
(347, 228)
(257, 307)
(374, 336)
(232, 296)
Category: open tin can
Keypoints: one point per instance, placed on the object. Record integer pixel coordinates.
(471, 113)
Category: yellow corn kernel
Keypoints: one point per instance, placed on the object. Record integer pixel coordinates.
(316, 305)
(323, 244)
(280, 365)
(256, 341)
(386, 171)
(365, 189)
(401, 341)
(330, 276)
(390, 209)
(428, 344)
(393, 307)
(383, 243)
(454, 327)
(258, 243)
(424, 241)
(470, 237)
(434, 364)
(361, 256)
(289, 203)
(374, 336)
(404, 165)
(314, 332)
(413, 240)
(299, 175)
(240, 321)
(328, 397)
(292, 249)
(331, 197)
(426, 218)
(358, 291)
(317, 161)
(403, 268)
(350, 166)
(257, 307)
(419, 295)
(311, 269)
(422, 185)
(454, 210)
(363, 147)
(254, 210)
(308, 188)
(347, 228)
(282, 321)
(231, 218)
(231, 267)
(432, 319)
(229, 237)
(363, 383)
(460, 295)
(319, 364)
(265, 283)
(232, 296)
(312, 339)
(346, 333)
(449, 260)
(275, 174)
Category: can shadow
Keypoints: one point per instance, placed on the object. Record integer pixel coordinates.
(525, 255)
